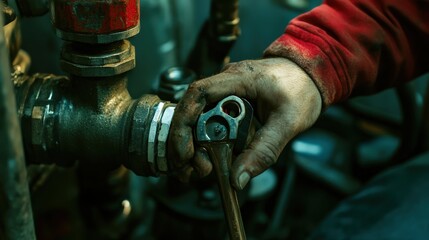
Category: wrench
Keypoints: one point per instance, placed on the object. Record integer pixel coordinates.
(217, 131)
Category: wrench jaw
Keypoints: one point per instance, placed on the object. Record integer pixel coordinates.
(222, 122)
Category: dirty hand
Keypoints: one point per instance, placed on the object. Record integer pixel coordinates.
(286, 102)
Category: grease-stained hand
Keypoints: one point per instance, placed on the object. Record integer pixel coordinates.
(286, 102)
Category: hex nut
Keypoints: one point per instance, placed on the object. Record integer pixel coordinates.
(174, 82)
(153, 133)
(97, 38)
(106, 70)
(138, 143)
(89, 56)
(163, 137)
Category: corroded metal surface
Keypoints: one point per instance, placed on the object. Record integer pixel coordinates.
(216, 38)
(94, 121)
(104, 60)
(95, 16)
(224, 19)
(15, 207)
(95, 21)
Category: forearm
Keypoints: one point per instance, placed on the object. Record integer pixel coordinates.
(358, 46)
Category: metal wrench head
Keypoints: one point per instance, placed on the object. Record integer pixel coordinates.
(222, 122)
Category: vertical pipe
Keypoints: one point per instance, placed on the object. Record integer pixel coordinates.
(224, 19)
(216, 38)
(16, 217)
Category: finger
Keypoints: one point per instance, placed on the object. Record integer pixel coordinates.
(201, 162)
(229, 83)
(181, 131)
(262, 152)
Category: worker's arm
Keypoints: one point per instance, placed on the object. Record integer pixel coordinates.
(358, 46)
(336, 50)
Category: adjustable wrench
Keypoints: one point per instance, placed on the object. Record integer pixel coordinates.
(218, 130)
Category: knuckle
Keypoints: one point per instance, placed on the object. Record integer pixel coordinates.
(248, 66)
(267, 160)
(239, 67)
(268, 156)
(228, 66)
(198, 90)
(194, 87)
(174, 135)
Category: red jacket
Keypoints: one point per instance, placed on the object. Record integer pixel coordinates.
(352, 47)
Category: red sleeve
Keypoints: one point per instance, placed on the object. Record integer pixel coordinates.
(352, 47)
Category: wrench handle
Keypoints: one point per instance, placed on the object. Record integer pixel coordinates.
(221, 157)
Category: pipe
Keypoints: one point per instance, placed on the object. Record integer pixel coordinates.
(15, 206)
(93, 120)
(216, 38)
(224, 20)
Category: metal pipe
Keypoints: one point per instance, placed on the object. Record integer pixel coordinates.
(90, 115)
(224, 20)
(91, 120)
(216, 38)
(15, 206)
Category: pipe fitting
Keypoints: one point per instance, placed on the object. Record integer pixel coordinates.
(90, 116)
(94, 121)
(174, 82)
(95, 21)
(148, 142)
(106, 60)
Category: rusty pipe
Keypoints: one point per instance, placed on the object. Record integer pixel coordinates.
(92, 120)
(90, 116)
(32, 8)
(216, 38)
(15, 205)
(224, 19)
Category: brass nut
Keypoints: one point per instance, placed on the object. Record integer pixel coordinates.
(105, 70)
(90, 56)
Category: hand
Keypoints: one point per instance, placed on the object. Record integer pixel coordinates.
(286, 102)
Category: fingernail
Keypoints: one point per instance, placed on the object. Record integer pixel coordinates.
(243, 179)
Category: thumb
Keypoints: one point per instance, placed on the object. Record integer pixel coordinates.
(262, 152)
